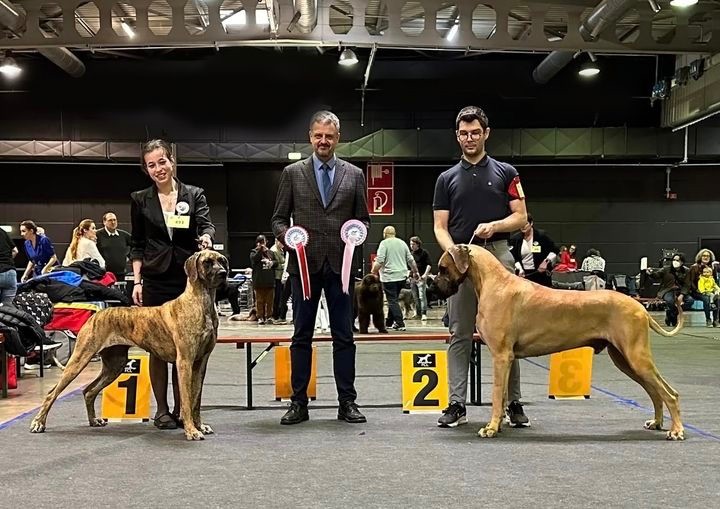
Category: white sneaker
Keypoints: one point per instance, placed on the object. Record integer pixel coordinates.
(424, 318)
(36, 367)
(235, 318)
(48, 347)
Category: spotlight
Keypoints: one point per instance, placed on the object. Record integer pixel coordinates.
(127, 29)
(9, 67)
(654, 6)
(348, 58)
(589, 69)
(683, 3)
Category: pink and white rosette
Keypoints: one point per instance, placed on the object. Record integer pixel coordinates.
(296, 237)
(353, 233)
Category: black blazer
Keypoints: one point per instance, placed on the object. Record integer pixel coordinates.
(541, 239)
(299, 196)
(150, 241)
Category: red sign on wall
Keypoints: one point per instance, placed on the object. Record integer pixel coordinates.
(380, 191)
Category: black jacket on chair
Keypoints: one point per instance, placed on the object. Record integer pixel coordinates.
(150, 240)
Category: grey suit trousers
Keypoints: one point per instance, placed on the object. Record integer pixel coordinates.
(462, 309)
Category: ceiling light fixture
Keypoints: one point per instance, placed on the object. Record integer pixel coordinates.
(127, 29)
(589, 69)
(683, 3)
(348, 58)
(654, 6)
(453, 31)
(9, 67)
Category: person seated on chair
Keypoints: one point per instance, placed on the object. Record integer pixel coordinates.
(703, 259)
(674, 286)
(709, 291)
(534, 253)
(594, 263)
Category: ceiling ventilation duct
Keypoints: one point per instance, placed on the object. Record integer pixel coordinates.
(606, 14)
(308, 15)
(14, 20)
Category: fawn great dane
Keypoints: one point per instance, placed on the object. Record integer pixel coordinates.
(183, 331)
(517, 318)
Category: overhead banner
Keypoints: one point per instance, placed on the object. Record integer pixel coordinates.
(381, 189)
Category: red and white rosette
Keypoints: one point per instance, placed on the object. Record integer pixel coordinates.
(353, 233)
(296, 237)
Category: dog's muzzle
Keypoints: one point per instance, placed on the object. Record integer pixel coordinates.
(444, 286)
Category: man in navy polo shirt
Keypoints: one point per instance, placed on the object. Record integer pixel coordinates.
(478, 200)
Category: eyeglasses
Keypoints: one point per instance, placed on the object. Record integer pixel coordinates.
(475, 135)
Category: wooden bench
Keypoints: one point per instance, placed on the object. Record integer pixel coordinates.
(246, 342)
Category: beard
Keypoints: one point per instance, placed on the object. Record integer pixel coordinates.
(474, 151)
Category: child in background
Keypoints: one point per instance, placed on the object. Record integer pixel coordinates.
(709, 289)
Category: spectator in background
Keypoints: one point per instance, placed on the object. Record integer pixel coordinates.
(114, 245)
(392, 262)
(282, 290)
(39, 249)
(534, 253)
(419, 286)
(263, 264)
(8, 276)
(674, 286)
(83, 245)
(703, 259)
(708, 290)
(593, 262)
(568, 262)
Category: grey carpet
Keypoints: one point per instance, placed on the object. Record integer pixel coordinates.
(578, 453)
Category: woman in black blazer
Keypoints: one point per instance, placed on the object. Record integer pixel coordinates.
(170, 221)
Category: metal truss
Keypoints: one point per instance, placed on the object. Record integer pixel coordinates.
(464, 25)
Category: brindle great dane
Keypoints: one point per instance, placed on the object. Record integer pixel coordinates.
(517, 318)
(183, 331)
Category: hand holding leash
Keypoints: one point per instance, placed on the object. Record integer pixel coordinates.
(205, 242)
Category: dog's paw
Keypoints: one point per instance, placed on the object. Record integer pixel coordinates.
(487, 432)
(653, 425)
(194, 434)
(206, 429)
(676, 435)
(37, 426)
(97, 422)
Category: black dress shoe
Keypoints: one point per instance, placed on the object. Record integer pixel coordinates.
(296, 414)
(348, 412)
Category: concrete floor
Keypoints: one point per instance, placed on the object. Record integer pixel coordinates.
(588, 453)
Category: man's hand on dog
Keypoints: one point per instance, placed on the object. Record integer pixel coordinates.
(485, 230)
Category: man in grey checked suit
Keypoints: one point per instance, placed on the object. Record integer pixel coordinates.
(320, 194)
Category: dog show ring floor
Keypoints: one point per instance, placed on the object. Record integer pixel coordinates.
(577, 453)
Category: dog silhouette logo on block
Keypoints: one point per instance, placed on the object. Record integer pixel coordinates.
(424, 360)
(132, 367)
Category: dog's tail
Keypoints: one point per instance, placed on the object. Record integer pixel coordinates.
(658, 328)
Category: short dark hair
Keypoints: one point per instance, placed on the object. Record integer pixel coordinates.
(416, 240)
(593, 252)
(260, 238)
(679, 255)
(530, 218)
(471, 114)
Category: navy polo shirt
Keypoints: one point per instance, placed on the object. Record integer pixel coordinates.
(476, 193)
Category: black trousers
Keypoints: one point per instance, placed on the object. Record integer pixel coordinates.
(341, 318)
(282, 294)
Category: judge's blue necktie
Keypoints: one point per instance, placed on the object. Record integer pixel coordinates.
(326, 184)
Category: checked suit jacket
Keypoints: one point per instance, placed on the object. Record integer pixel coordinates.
(299, 197)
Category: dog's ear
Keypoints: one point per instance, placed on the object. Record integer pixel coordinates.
(461, 256)
(191, 267)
